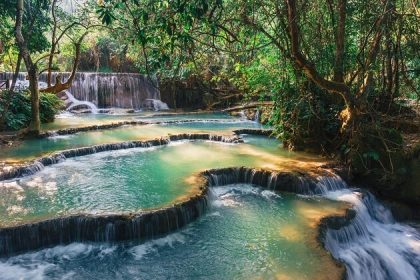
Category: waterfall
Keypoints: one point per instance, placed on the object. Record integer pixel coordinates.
(106, 90)
(118, 90)
(373, 245)
(370, 243)
(155, 104)
(257, 116)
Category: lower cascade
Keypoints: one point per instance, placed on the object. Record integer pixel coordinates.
(374, 245)
(371, 244)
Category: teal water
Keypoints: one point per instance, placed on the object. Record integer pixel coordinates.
(67, 120)
(33, 148)
(133, 179)
(247, 233)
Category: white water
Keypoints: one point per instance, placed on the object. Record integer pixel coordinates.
(257, 116)
(156, 104)
(72, 102)
(24, 84)
(373, 245)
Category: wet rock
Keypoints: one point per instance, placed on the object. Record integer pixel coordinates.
(262, 132)
(337, 222)
(81, 111)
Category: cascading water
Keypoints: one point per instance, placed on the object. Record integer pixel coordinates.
(155, 104)
(71, 102)
(117, 90)
(106, 90)
(373, 245)
(257, 116)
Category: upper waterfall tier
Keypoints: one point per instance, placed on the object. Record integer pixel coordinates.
(105, 90)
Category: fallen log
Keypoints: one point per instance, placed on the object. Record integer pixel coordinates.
(249, 106)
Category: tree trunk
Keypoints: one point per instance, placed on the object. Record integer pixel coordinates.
(50, 62)
(390, 52)
(35, 124)
(53, 42)
(340, 42)
(307, 67)
(16, 74)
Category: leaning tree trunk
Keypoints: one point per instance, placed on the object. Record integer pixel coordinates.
(340, 38)
(34, 126)
(60, 86)
(351, 110)
(16, 74)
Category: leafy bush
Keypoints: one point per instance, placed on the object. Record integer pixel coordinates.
(49, 105)
(15, 109)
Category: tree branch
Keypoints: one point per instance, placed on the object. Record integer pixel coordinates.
(307, 67)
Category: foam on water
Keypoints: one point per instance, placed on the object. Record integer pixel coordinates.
(36, 265)
(372, 246)
(227, 196)
(170, 240)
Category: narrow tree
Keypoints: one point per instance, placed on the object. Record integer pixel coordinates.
(31, 67)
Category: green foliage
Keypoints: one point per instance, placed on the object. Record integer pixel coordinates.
(15, 109)
(35, 24)
(49, 105)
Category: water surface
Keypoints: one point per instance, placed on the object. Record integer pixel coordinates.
(30, 149)
(247, 233)
(133, 179)
(70, 120)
